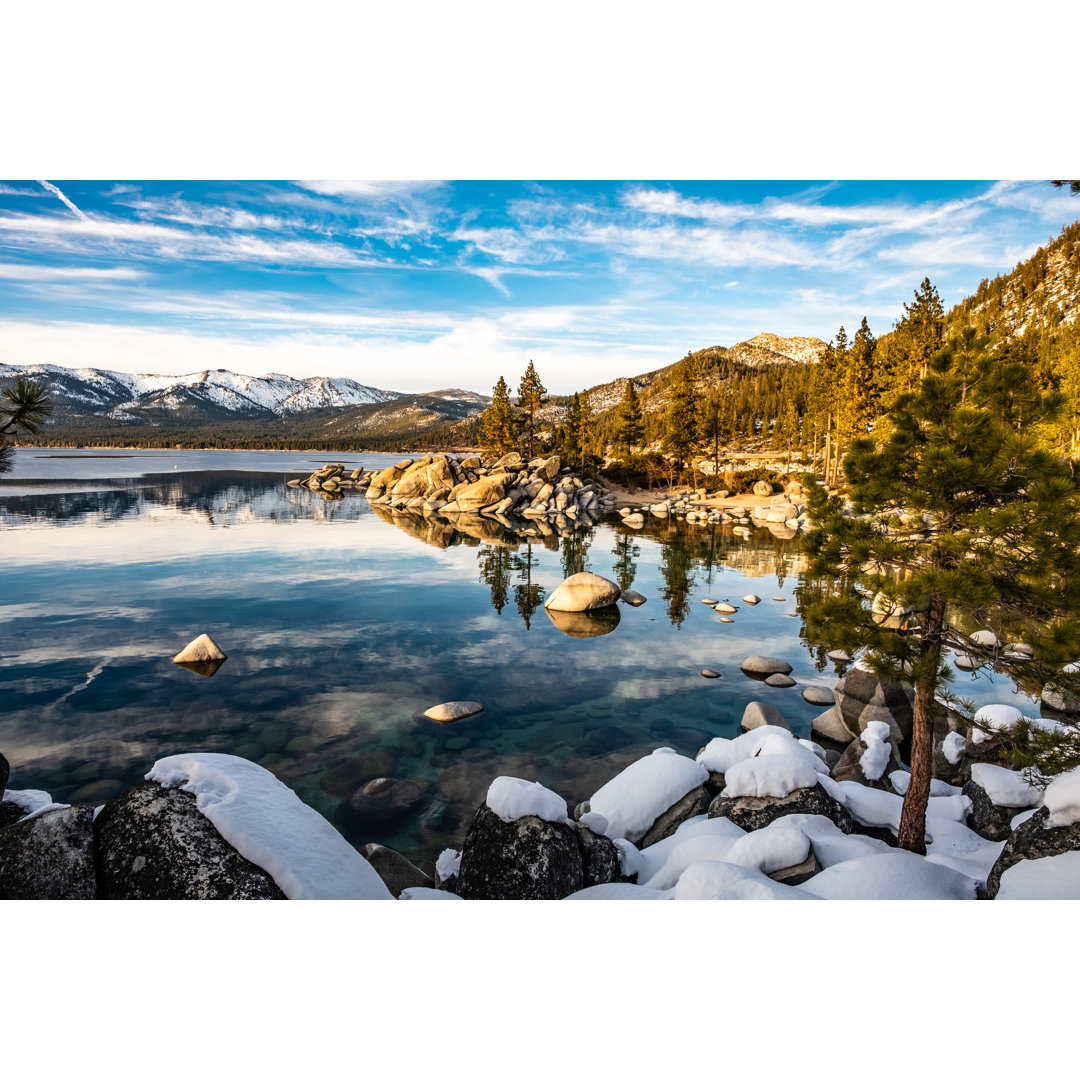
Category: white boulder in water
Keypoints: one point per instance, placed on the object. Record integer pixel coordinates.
(200, 651)
(583, 592)
(449, 711)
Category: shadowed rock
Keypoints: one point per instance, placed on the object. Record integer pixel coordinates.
(397, 872)
(1033, 839)
(49, 857)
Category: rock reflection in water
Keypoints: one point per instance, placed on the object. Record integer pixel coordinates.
(585, 624)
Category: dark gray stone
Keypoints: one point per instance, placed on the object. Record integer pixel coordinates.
(526, 859)
(694, 802)
(10, 813)
(1033, 839)
(752, 812)
(5, 772)
(599, 858)
(378, 806)
(151, 843)
(989, 821)
(49, 857)
(397, 872)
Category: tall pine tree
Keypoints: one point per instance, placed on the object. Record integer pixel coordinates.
(682, 422)
(988, 538)
(498, 425)
(630, 421)
(531, 393)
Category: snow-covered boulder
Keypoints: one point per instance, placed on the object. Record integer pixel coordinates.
(260, 820)
(726, 881)
(49, 856)
(996, 795)
(583, 592)
(633, 800)
(1037, 838)
(870, 758)
(521, 846)
(154, 844)
(891, 875)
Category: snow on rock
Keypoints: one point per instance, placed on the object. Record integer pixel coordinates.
(447, 864)
(510, 798)
(1055, 877)
(596, 822)
(705, 847)
(636, 797)
(875, 737)
(32, 802)
(953, 746)
(954, 845)
(776, 847)
(652, 860)
(901, 779)
(725, 881)
(266, 822)
(869, 806)
(630, 859)
(422, 892)
(1062, 798)
(619, 890)
(890, 875)
(1007, 788)
(720, 754)
(769, 776)
(829, 844)
(1018, 819)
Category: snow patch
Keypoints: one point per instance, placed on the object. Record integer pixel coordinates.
(875, 738)
(266, 822)
(1005, 787)
(636, 797)
(1055, 877)
(770, 775)
(511, 798)
(1062, 798)
(33, 803)
(447, 864)
(953, 746)
(891, 875)
(725, 881)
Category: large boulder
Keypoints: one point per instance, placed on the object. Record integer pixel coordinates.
(760, 667)
(862, 697)
(152, 843)
(526, 859)
(583, 592)
(49, 857)
(760, 713)
(997, 795)
(1036, 838)
(487, 491)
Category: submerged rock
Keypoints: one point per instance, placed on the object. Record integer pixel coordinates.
(379, 805)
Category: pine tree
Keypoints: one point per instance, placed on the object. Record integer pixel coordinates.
(989, 539)
(682, 423)
(859, 397)
(630, 427)
(531, 393)
(24, 406)
(498, 427)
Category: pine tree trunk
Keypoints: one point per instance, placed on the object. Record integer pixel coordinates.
(912, 834)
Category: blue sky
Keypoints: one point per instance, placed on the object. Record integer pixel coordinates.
(425, 285)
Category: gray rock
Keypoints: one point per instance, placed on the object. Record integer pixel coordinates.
(839, 656)
(849, 767)
(378, 806)
(829, 725)
(599, 858)
(765, 665)
(632, 597)
(796, 875)
(5, 773)
(397, 872)
(781, 681)
(989, 821)
(760, 713)
(526, 859)
(862, 697)
(708, 673)
(752, 812)
(694, 802)
(818, 695)
(151, 843)
(49, 857)
(1033, 839)
(10, 813)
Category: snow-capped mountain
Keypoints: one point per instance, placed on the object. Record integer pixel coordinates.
(217, 394)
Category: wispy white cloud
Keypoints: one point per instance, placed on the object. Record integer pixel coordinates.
(31, 272)
(371, 190)
(53, 189)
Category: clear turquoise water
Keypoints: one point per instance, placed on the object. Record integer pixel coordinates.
(341, 628)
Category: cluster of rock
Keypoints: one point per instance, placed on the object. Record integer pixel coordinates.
(452, 486)
(784, 514)
(146, 843)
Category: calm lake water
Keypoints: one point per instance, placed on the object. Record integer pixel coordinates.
(343, 624)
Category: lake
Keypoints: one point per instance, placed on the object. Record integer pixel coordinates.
(342, 624)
